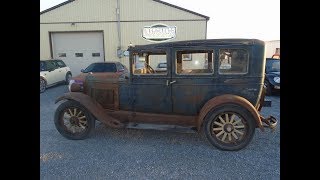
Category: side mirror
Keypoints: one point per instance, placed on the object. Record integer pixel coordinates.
(120, 70)
(82, 70)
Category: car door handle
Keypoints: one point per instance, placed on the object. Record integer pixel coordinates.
(169, 83)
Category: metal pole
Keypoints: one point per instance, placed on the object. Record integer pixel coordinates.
(119, 30)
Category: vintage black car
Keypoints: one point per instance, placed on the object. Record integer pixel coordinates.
(272, 75)
(212, 86)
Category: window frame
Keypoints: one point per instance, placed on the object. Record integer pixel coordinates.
(218, 61)
(195, 49)
(151, 52)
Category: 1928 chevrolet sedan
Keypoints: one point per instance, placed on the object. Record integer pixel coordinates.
(212, 86)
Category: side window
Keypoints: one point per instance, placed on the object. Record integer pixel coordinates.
(43, 66)
(147, 62)
(194, 62)
(60, 63)
(233, 61)
(120, 67)
(50, 65)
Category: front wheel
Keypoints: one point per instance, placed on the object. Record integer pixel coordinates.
(229, 127)
(43, 85)
(268, 88)
(68, 78)
(73, 121)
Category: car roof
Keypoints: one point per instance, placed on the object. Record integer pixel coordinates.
(201, 42)
(272, 59)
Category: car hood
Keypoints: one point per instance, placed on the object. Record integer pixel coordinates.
(110, 76)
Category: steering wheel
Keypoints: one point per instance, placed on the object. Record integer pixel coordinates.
(150, 70)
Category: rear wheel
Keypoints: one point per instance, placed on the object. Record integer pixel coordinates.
(229, 127)
(73, 121)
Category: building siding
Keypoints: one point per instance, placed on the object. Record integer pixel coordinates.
(105, 10)
(100, 15)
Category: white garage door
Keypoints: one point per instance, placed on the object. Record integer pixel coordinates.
(78, 49)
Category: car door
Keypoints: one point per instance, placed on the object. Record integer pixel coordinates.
(60, 70)
(192, 79)
(51, 74)
(150, 90)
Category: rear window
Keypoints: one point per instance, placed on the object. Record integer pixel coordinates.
(101, 67)
(60, 63)
(42, 66)
(233, 61)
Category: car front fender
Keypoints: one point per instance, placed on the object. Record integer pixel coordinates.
(92, 106)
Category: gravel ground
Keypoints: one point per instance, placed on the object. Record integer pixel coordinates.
(151, 154)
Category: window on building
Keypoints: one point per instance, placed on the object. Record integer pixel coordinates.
(194, 62)
(95, 54)
(146, 63)
(79, 54)
(62, 54)
(233, 61)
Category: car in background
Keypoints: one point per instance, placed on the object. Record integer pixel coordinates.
(272, 75)
(103, 70)
(162, 67)
(52, 72)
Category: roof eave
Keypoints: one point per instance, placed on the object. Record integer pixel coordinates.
(56, 6)
(183, 9)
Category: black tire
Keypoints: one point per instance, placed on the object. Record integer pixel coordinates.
(43, 85)
(217, 134)
(68, 77)
(81, 120)
(268, 88)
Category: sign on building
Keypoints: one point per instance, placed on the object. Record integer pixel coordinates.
(159, 32)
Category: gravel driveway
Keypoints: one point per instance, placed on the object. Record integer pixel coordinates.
(151, 154)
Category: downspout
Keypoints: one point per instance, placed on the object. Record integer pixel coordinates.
(119, 52)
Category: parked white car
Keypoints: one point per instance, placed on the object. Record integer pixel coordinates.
(53, 72)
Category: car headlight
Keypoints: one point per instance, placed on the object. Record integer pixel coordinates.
(276, 79)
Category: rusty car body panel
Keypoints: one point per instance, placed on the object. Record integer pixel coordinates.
(179, 96)
(183, 100)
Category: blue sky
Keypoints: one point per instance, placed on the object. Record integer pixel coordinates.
(258, 19)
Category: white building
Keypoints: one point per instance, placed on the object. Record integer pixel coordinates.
(84, 31)
(272, 47)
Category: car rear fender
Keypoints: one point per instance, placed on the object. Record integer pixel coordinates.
(92, 106)
(228, 98)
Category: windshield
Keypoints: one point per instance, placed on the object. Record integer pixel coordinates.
(162, 65)
(101, 67)
(42, 66)
(273, 66)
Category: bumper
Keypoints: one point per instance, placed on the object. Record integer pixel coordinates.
(270, 122)
(277, 87)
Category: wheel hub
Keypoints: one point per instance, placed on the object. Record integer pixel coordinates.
(228, 128)
(74, 121)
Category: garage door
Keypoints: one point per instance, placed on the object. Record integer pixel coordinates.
(78, 49)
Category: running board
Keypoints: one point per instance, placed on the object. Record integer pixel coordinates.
(161, 127)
